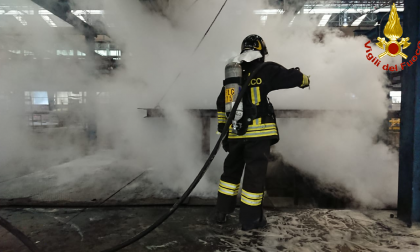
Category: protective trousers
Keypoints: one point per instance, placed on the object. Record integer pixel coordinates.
(253, 154)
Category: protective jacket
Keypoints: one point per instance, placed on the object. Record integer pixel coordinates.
(269, 78)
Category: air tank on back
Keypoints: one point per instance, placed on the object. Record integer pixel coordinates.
(233, 76)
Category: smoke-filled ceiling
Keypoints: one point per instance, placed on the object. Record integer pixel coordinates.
(20, 10)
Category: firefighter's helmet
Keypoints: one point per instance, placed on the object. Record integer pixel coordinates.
(254, 42)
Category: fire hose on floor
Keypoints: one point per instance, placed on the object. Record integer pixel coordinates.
(200, 174)
(18, 234)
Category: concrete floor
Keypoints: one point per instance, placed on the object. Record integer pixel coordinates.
(191, 229)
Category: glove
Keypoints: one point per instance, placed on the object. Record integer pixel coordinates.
(220, 127)
(225, 144)
(305, 82)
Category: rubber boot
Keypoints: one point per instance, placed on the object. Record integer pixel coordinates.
(261, 223)
(220, 217)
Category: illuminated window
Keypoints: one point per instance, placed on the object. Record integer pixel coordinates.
(395, 96)
(324, 20)
(62, 98)
(66, 98)
(101, 52)
(263, 19)
(36, 98)
(62, 52)
(114, 53)
(49, 21)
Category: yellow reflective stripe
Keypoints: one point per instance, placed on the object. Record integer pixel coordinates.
(255, 95)
(255, 134)
(305, 81)
(262, 130)
(251, 202)
(256, 122)
(229, 193)
(233, 192)
(258, 96)
(221, 117)
(259, 131)
(261, 126)
(265, 129)
(252, 195)
(229, 185)
(228, 188)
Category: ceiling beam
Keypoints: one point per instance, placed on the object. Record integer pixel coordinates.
(61, 9)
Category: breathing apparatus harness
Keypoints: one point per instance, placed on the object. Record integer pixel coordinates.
(202, 171)
(247, 111)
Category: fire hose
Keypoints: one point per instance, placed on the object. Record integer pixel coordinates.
(200, 174)
(18, 234)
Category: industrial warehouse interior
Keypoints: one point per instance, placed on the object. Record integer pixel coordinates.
(108, 114)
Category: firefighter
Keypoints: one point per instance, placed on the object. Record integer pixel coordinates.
(250, 149)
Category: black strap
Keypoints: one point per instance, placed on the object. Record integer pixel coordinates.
(265, 108)
(232, 80)
(261, 111)
(270, 109)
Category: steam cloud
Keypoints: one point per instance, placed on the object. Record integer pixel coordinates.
(158, 48)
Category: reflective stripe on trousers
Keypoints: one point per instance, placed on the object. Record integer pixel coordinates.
(252, 199)
(228, 188)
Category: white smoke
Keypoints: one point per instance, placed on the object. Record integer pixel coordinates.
(336, 148)
(24, 149)
(159, 62)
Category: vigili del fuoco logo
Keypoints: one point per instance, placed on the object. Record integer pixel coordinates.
(393, 31)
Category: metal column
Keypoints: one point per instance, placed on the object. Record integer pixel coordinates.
(205, 139)
(409, 171)
(91, 94)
